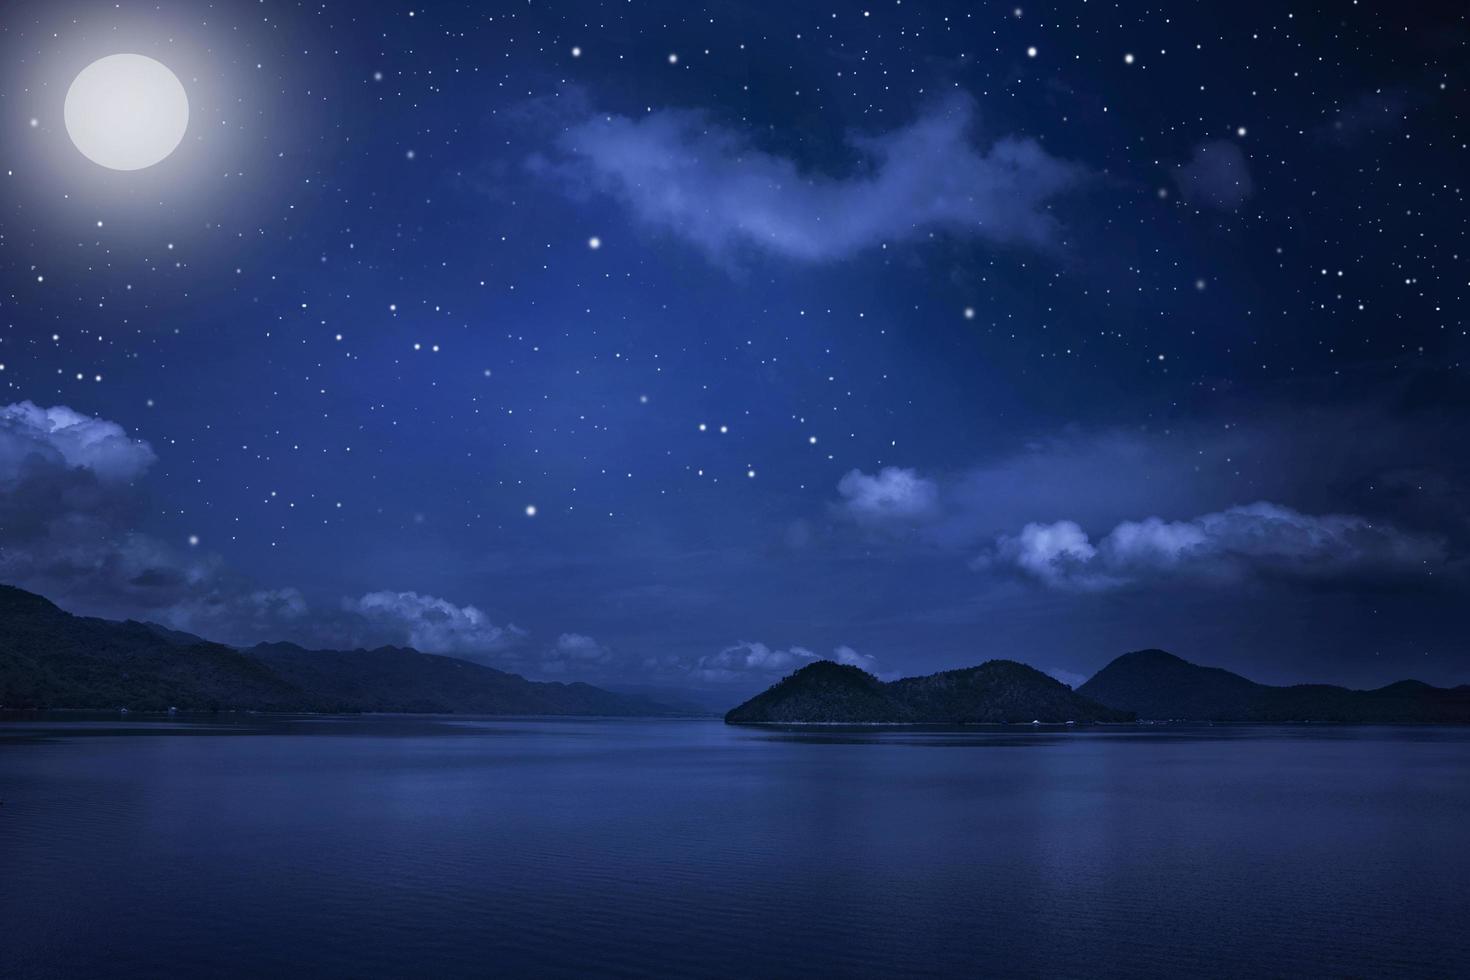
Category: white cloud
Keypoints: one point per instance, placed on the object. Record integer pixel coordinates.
(894, 494)
(684, 172)
(431, 624)
(1236, 543)
(69, 509)
(746, 660)
(573, 654)
(1056, 553)
(59, 435)
(577, 646)
(847, 655)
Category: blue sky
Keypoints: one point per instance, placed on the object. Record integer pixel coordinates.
(929, 333)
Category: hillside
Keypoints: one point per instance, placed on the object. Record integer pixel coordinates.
(52, 659)
(1159, 685)
(402, 679)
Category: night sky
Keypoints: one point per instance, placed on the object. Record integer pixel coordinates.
(672, 345)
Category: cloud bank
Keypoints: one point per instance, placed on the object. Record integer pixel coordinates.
(683, 172)
(60, 437)
(433, 625)
(70, 510)
(1263, 540)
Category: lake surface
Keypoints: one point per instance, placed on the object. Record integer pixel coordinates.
(451, 847)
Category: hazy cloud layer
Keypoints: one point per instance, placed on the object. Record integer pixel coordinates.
(433, 625)
(1216, 176)
(1256, 540)
(746, 660)
(1383, 110)
(576, 655)
(684, 172)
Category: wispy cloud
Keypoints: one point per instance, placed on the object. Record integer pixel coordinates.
(1216, 176)
(746, 661)
(684, 172)
(1256, 540)
(432, 624)
(1380, 111)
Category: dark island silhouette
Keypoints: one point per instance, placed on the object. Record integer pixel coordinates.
(1161, 686)
(995, 692)
(1146, 685)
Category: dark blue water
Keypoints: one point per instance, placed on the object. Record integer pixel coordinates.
(384, 847)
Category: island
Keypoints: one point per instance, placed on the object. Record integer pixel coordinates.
(998, 691)
(1158, 685)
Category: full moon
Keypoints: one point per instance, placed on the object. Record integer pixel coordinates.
(126, 112)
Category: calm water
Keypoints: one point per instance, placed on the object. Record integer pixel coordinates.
(380, 847)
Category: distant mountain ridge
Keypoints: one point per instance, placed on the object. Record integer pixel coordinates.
(997, 691)
(1160, 686)
(50, 658)
(1147, 684)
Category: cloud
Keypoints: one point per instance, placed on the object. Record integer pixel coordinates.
(1054, 554)
(229, 611)
(69, 510)
(686, 173)
(59, 436)
(1091, 476)
(847, 655)
(573, 654)
(1217, 176)
(746, 660)
(895, 494)
(577, 646)
(433, 625)
(1256, 540)
(1406, 463)
(1379, 111)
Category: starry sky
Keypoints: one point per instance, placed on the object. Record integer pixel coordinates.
(672, 345)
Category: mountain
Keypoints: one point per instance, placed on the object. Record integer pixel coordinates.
(1160, 686)
(402, 679)
(52, 659)
(996, 691)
